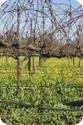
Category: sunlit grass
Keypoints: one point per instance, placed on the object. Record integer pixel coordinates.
(53, 73)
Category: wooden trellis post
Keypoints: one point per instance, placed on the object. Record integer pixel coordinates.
(18, 59)
(29, 64)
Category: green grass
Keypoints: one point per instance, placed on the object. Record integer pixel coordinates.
(48, 86)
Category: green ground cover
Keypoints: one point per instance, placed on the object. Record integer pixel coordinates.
(52, 86)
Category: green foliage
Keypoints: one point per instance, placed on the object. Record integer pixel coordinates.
(50, 86)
